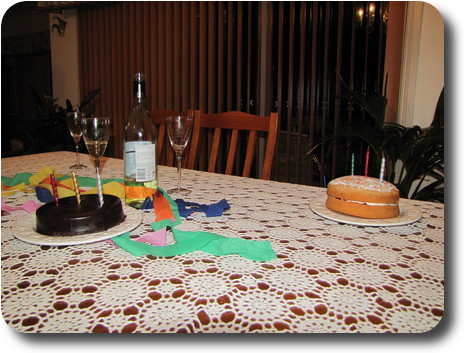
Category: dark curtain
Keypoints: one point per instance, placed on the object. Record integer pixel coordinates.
(256, 57)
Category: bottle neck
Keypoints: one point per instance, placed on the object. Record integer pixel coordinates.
(139, 93)
(139, 102)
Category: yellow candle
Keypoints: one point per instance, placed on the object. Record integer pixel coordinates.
(76, 187)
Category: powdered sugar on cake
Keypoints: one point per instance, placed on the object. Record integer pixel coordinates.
(365, 183)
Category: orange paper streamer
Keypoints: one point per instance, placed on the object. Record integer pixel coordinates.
(162, 207)
(138, 192)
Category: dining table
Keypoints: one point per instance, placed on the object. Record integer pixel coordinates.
(329, 274)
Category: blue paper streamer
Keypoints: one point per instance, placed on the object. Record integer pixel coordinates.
(186, 208)
(43, 194)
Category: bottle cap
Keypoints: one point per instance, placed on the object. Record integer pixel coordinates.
(139, 76)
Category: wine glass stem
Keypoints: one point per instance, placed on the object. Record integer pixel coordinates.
(99, 184)
(179, 169)
(77, 154)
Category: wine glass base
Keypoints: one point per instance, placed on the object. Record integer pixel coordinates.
(78, 166)
(181, 191)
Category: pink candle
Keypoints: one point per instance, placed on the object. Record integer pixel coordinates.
(366, 164)
(54, 189)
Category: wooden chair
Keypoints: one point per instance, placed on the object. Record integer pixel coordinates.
(164, 153)
(234, 121)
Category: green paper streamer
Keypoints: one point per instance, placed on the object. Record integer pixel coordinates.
(187, 242)
(82, 181)
(211, 243)
(17, 179)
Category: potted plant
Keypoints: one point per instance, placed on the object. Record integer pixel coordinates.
(414, 155)
(47, 130)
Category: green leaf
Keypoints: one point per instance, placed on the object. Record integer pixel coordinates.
(88, 98)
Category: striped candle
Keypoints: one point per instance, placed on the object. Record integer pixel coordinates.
(366, 163)
(76, 187)
(382, 170)
(54, 188)
(100, 189)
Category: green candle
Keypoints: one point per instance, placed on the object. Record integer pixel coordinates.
(352, 164)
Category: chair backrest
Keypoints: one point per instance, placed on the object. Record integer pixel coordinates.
(235, 121)
(164, 153)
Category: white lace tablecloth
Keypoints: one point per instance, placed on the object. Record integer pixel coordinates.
(328, 276)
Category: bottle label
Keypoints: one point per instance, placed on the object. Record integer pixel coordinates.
(140, 158)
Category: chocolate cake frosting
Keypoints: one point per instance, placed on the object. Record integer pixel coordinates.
(70, 218)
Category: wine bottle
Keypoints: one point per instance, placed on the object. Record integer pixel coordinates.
(140, 140)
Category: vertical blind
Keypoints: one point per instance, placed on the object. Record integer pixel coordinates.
(314, 42)
(255, 57)
(195, 55)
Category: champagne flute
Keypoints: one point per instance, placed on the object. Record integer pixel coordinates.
(73, 120)
(179, 130)
(96, 132)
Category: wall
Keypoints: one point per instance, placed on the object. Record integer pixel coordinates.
(422, 76)
(65, 59)
(24, 18)
(430, 70)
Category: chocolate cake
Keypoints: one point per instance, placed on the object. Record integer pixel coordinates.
(70, 218)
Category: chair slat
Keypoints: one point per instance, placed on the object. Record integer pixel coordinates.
(271, 146)
(161, 140)
(235, 121)
(214, 150)
(231, 154)
(250, 153)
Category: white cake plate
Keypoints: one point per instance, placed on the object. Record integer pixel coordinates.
(408, 214)
(25, 229)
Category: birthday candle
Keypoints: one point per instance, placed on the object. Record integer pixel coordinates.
(76, 187)
(100, 189)
(382, 170)
(54, 189)
(352, 164)
(366, 164)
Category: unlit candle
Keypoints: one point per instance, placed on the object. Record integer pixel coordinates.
(366, 163)
(54, 188)
(382, 170)
(76, 187)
